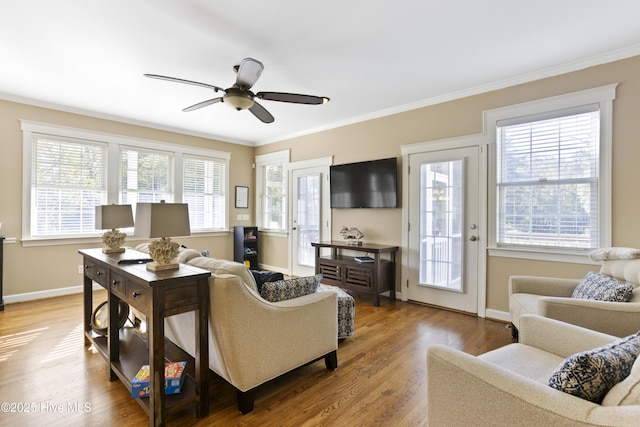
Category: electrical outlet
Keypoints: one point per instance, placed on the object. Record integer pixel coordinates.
(80, 270)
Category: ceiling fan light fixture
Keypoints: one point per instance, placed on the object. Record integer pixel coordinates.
(238, 99)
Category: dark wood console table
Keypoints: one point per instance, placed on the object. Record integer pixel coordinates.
(157, 295)
(368, 278)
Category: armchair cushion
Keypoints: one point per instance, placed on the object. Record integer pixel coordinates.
(599, 287)
(591, 374)
(281, 290)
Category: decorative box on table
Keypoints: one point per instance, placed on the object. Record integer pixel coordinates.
(174, 374)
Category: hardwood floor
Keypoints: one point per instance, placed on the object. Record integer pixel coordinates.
(46, 369)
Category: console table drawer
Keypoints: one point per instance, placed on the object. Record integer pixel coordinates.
(118, 286)
(139, 297)
(97, 273)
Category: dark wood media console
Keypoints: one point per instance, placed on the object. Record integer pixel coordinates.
(344, 271)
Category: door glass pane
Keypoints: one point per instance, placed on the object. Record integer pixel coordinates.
(441, 222)
(308, 218)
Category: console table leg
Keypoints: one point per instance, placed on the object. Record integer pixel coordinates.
(376, 280)
(392, 290)
(156, 363)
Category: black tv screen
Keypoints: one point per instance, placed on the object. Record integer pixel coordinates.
(370, 184)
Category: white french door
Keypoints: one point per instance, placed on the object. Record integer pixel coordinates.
(310, 220)
(444, 218)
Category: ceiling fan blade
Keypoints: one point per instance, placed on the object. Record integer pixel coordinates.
(177, 80)
(202, 104)
(292, 97)
(261, 113)
(249, 71)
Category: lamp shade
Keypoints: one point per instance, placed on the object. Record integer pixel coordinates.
(113, 216)
(162, 220)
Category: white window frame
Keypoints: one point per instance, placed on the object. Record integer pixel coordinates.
(603, 96)
(114, 143)
(278, 157)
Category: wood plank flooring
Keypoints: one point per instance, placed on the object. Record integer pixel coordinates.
(380, 381)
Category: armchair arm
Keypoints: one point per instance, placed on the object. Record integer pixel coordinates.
(551, 286)
(496, 396)
(615, 318)
(493, 395)
(559, 338)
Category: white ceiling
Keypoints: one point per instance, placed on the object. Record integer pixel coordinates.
(371, 57)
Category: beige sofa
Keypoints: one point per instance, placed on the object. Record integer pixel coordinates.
(251, 340)
(508, 386)
(551, 297)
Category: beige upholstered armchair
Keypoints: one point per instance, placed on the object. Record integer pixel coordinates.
(509, 386)
(553, 297)
(251, 340)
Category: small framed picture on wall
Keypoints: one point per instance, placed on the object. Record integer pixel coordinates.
(242, 197)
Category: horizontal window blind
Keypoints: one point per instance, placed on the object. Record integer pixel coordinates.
(145, 176)
(547, 179)
(273, 197)
(203, 190)
(68, 181)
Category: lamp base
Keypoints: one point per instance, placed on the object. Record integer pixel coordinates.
(112, 250)
(154, 266)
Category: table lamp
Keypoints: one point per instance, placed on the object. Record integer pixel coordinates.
(113, 217)
(164, 220)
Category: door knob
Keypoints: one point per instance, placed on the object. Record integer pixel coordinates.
(473, 238)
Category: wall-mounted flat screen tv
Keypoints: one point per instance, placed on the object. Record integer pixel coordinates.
(370, 184)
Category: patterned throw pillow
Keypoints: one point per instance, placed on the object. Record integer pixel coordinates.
(281, 290)
(599, 287)
(591, 374)
(626, 392)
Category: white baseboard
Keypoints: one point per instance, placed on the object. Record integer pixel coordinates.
(284, 271)
(30, 296)
(503, 316)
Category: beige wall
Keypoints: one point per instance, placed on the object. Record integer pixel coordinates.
(41, 268)
(33, 269)
(383, 138)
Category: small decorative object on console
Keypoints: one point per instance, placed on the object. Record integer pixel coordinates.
(352, 235)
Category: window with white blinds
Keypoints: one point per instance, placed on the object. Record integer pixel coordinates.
(271, 181)
(67, 172)
(68, 180)
(204, 187)
(146, 176)
(549, 176)
(547, 179)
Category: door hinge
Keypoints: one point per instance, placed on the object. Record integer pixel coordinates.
(407, 283)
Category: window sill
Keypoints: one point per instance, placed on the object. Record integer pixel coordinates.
(539, 255)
